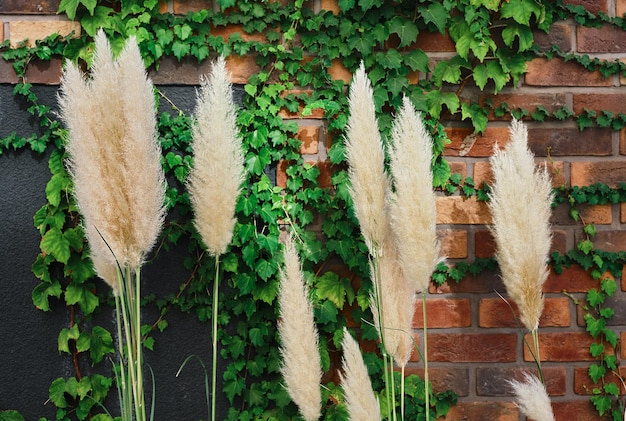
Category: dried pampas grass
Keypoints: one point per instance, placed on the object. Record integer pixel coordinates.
(114, 155)
(301, 360)
(532, 398)
(520, 203)
(360, 400)
(215, 180)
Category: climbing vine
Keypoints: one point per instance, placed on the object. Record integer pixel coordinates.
(296, 50)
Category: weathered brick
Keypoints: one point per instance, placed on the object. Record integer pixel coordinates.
(493, 381)
(611, 241)
(570, 142)
(561, 347)
(530, 102)
(227, 31)
(484, 244)
(45, 72)
(445, 378)
(241, 68)
(617, 303)
(593, 6)
(622, 141)
(330, 5)
(615, 103)
(485, 282)
(7, 74)
(324, 179)
(583, 385)
(316, 113)
(606, 39)
(472, 347)
(458, 167)
(462, 210)
(188, 71)
(495, 312)
(181, 7)
(622, 348)
(556, 72)
(611, 172)
(560, 35)
(23, 7)
(33, 30)
(434, 42)
(598, 214)
(492, 411)
(338, 71)
(453, 243)
(482, 172)
(576, 410)
(572, 279)
(559, 241)
(464, 142)
(309, 136)
(620, 8)
(444, 313)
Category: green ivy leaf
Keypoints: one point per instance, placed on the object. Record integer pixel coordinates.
(436, 14)
(43, 291)
(596, 349)
(405, 29)
(611, 389)
(609, 286)
(595, 297)
(327, 313)
(602, 403)
(100, 344)
(596, 372)
(81, 295)
(521, 10)
(523, 33)
(417, 60)
(56, 393)
(11, 416)
(329, 286)
(55, 244)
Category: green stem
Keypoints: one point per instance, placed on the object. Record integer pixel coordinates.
(216, 284)
(140, 398)
(426, 380)
(402, 393)
(535, 335)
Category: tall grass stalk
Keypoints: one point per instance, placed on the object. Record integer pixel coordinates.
(520, 203)
(119, 187)
(215, 180)
(397, 216)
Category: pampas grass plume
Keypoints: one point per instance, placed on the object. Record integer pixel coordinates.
(532, 399)
(413, 208)
(114, 155)
(370, 185)
(520, 203)
(359, 397)
(301, 360)
(215, 180)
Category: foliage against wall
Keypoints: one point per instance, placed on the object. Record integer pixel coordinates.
(298, 47)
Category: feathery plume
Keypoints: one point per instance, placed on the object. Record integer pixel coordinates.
(370, 184)
(360, 400)
(532, 398)
(413, 207)
(114, 155)
(520, 204)
(301, 360)
(215, 181)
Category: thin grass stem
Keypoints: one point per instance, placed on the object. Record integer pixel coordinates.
(216, 284)
(425, 356)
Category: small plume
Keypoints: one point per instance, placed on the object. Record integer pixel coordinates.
(532, 398)
(215, 181)
(520, 203)
(360, 400)
(301, 360)
(114, 155)
(413, 208)
(370, 184)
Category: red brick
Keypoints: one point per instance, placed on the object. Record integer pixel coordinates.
(572, 279)
(444, 313)
(188, 71)
(330, 5)
(464, 142)
(622, 213)
(337, 71)
(45, 72)
(561, 347)
(484, 244)
(445, 378)
(472, 347)
(483, 283)
(493, 381)
(227, 31)
(492, 411)
(606, 39)
(33, 30)
(22, 7)
(7, 74)
(434, 42)
(610, 241)
(495, 312)
(458, 167)
(617, 303)
(582, 410)
(309, 136)
(462, 210)
(615, 103)
(559, 241)
(482, 172)
(556, 72)
(622, 141)
(593, 6)
(560, 35)
(184, 6)
(453, 243)
(611, 172)
(316, 113)
(622, 348)
(570, 142)
(598, 214)
(324, 179)
(529, 102)
(241, 68)
(620, 8)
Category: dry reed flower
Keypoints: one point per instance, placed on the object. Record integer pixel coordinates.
(301, 360)
(532, 399)
(370, 184)
(114, 154)
(215, 180)
(521, 199)
(360, 400)
(413, 207)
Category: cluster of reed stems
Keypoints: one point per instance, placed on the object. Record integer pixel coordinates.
(520, 204)
(119, 188)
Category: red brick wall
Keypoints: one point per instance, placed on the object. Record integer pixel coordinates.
(474, 346)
